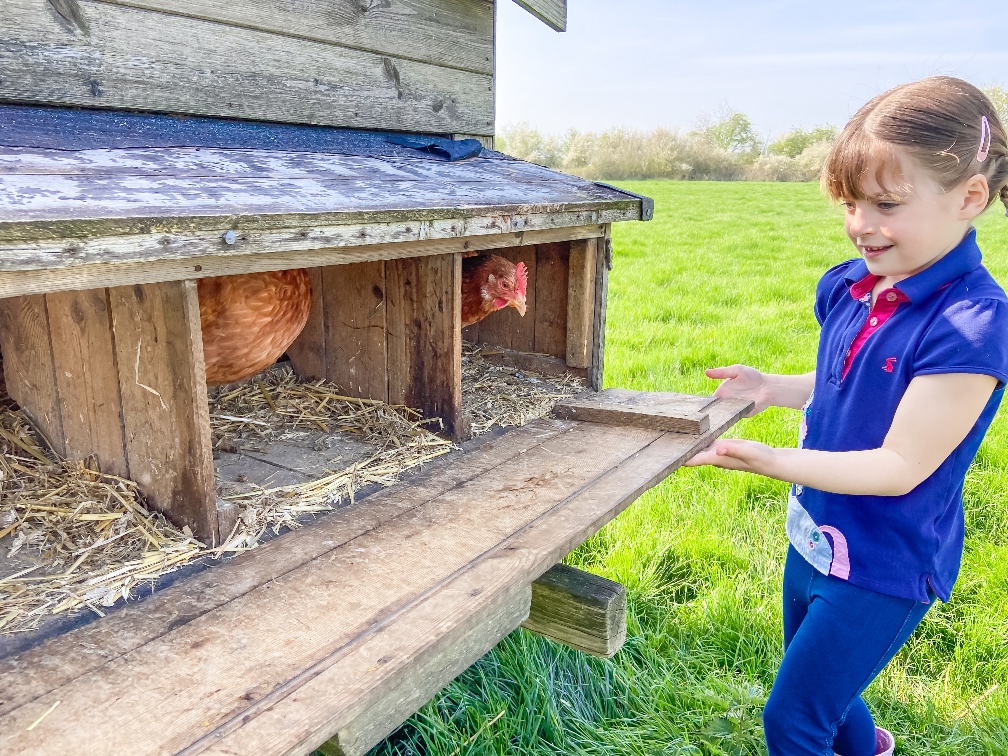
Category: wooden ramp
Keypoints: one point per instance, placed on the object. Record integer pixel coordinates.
(344, 628)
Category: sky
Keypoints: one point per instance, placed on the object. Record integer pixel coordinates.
(650, 63)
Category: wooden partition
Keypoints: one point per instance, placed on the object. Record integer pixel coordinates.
(389, 330)
(116, 377)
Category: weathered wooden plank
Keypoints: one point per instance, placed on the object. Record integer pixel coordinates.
(452, 33)
(29, 370)
(679, 413)
(551, 12)
(450, 647)
(131, 59)
(424, 341)
(551, 299)
(580, 303)
(308, 352)
(355, 329)
(603, 258)
(528, 552)
(245, 658)
(580, 610)
(255, 252)
(86, 650)
(531, 362)
(87, 378)
(159, 352)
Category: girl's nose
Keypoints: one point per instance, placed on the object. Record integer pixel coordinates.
(858, 222)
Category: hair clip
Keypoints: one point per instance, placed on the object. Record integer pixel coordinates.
(985, 139)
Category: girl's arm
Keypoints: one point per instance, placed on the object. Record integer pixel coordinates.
(934, 416)
(766, 390)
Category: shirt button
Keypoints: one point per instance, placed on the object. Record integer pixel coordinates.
(891, 296)
(873, 322)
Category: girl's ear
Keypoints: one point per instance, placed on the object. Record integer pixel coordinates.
(976, 195)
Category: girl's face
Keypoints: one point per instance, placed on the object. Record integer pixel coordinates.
(903, 231)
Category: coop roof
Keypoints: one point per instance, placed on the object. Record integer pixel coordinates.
(106, 198)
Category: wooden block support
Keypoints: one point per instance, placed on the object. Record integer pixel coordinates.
(580, 302)
(580, 610)
(679, 413)
(116, 376)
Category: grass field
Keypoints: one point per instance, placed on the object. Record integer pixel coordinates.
(726, 273)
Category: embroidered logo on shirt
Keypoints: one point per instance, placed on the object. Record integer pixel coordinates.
(889, 364)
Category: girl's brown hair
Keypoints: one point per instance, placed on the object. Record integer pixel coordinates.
(936, 122)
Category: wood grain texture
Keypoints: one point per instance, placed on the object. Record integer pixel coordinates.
(450, 33)
(257, 252)
(87, 650)
(29, 370)
(87, 378)
(355, 329)
(580, 303)
(292, 662)
(551, 299)
(680, 413)
(424, 340)
(603, 256)
(132, 59)
(159, 353)
(308, 352)
(551, 12)
(580, 610)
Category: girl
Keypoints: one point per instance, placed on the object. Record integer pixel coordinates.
(912, 363)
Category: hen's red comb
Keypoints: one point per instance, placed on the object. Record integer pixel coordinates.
(521, 278)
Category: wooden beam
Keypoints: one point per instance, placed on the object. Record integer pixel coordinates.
(551, 299)
(580, 610)
(679, 413)
(159, 353)
(580, 302)
(424, 315)
(116, 262)
(131, 59)
(551, 12)
(307, 354)
(603, 260)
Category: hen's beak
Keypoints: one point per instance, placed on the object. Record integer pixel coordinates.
(519, 304)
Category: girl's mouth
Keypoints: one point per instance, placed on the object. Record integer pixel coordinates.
(874, 251)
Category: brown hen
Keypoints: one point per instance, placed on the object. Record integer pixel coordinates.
(490, 283)
(249, 320)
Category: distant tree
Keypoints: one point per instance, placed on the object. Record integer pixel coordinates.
(793, 143)
(999, 97)
(729, 130)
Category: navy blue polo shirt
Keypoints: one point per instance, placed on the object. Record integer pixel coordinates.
(951, 317)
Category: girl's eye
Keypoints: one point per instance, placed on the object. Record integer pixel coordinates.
(888, 205)
(849, 205)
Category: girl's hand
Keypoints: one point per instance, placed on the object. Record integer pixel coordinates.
(738, 454)
(742, 382)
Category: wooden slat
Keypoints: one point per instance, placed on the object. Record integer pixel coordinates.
(307, 354)
(255, 252)
(452, 33)
(580, 610)
(423, 313)
(680, 413)
(87, 378)
(551, 12)
(132, 59)
(159, 351)
(596, 369)
(455, 643)
(530, 362)
(87, 650)
(551, 300)
(29, 370)
(355, 328)
(580, 303)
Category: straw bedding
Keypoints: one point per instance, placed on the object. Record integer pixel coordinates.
(81, 539)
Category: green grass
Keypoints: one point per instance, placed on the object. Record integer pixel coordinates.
(726, 273)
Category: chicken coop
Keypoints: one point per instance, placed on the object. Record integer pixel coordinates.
(165, 161)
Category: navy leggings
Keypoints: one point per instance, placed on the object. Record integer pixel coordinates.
(837, 638)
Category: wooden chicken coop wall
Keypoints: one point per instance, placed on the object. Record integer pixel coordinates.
(407, 65)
